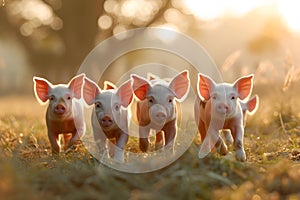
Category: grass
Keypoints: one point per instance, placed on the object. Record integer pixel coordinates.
(28, 170)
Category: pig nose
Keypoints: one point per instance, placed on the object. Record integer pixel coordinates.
(60, 109)
(106, 121)
(161, 116)
(223, 107)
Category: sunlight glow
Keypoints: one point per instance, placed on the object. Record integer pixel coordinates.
(170, 36)
(209, 10)
(290, 13)
(214, 9)
(139, 12)
(206, 10)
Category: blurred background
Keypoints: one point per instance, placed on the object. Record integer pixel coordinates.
(51, 38)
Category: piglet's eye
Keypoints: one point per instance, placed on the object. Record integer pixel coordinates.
(98, 105)
(117, 107)
(150, 100)
(170, 100)
(51, 98)
(69, 98)
(233, 98)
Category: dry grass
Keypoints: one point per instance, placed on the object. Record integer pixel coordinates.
(28, 170)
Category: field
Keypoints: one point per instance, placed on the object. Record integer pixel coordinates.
(272, 170)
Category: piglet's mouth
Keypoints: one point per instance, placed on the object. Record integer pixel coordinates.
(105, 125)
(60, 112)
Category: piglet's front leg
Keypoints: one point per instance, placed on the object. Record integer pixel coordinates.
(159, 140)
(144, 137)
(53, 138)
(120, 146)
(238, 133)
(170, 130)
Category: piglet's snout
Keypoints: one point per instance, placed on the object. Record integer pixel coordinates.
(60, 109)
(106, 121)
(223, 108)
(158, 114)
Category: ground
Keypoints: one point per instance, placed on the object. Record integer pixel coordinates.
(29, 171)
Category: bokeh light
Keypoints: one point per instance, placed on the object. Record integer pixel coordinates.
(105, 22)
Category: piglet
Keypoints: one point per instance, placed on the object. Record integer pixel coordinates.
(249, 106)
(217, 107)
(65, 113)
(156, 107)
(109, 116)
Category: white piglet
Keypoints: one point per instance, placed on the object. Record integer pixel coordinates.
(156, 107)
(109, 116)
(249, 106)
(65, 113)
(217, 107)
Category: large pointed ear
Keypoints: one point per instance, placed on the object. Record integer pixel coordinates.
(151, 76)
(125, 93)
(140, 86)
(252, 104)
(180, 85)
(90, 91)
(244, 86)
(41, 89)
(75, 85)
(204, 86)
(109, 85)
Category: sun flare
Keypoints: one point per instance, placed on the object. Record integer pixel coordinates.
(290, 12)
(211, 10)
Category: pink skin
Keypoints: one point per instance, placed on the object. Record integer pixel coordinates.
(248, 107)
(217, 107)
(156, 107)
(109, 116)
(64, 114)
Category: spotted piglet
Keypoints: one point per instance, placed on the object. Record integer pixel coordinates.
(65, 113)
(156, 107)
(217, 107)
(109, 116)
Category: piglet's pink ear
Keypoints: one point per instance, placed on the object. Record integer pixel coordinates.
(41, 88)
(90, 91)
(244, 86)
(204, 86)
(75, 85)
(109, 86)
(180, 84)
(252, 104)
(125, 93)
(140, 86)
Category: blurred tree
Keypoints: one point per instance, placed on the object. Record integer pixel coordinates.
(57, 35)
